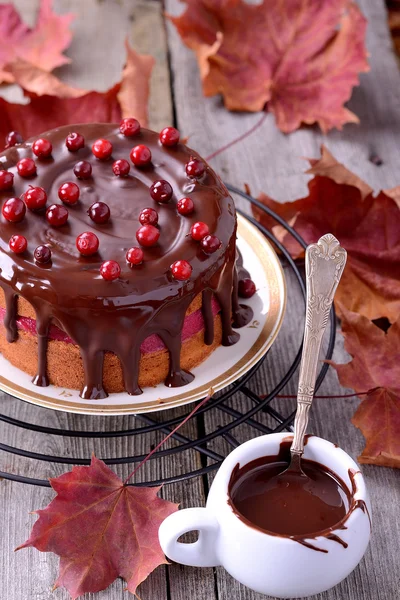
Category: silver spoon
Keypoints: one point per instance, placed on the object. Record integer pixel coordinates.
(325, 262)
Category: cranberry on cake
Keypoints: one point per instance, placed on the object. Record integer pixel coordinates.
(117, 259)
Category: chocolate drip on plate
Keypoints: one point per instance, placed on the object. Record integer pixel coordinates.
(242, 314)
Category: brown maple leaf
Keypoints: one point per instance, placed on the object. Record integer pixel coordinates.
(328, 166)
(101, 529)
(134, 92)
(41, 46)
(375, 369)
(302, 58)
(368, 227)
(54, 103)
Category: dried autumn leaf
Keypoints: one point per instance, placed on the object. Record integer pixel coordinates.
(303, 59)
(37, 81)
(375, 368)
(328, 166)
(46, 112)
(368, 228)
(134, 91)
(54, 103)
(100, 529)
(41, 46)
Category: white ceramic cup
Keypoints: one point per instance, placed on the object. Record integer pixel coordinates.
(271, 564)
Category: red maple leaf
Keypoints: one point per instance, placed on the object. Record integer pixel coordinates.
(42, 46)
(303, 59)
(54, 103)
(375, 368)
(367, 226)
(101, 529)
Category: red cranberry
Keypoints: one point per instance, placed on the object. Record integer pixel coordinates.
(169, 136)
(140, 155)
(87, 243)
(26, 167)
(57, 215)
(14, 210)
(195, 168)
(148, 216)
(110, 270)
(42, 255)
(75, 141)
(129, 127)
(6, 180)
(181, 270)
(147, 235)
(185, 206)
(13, 138)
(121, 167)
(69, 192)
(83, 169)
(161, 191)
(42, 148)
(199, 230)
(102, 149)
(99, 212)
(134, 256)
(18, 244)
(35, 198)
(247, 288)
(210, 244)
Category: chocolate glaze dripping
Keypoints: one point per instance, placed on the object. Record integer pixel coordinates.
(336, 538)
(117, 316)
(358, 503)
(308, 545)
(224, 295)
(42, 328)
(93, 367)
(10, 317)
(206, 308)
(284, 455)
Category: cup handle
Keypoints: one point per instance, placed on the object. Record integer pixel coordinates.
(201, 553)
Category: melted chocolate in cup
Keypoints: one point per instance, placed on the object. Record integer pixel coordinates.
(291, 507)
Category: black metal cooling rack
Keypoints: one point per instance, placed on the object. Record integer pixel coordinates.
(163, 422)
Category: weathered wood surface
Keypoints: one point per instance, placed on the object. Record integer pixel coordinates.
(274, 167)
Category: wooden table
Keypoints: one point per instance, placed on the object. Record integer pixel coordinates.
(268, 161)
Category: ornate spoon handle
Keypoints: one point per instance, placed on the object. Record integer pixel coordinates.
(325, 263)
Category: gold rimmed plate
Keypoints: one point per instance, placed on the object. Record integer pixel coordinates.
(223, 367)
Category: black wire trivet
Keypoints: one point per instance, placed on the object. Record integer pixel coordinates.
(210, 459)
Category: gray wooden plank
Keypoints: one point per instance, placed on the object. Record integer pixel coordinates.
(270, 161)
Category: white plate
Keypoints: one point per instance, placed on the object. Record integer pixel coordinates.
(222, 368)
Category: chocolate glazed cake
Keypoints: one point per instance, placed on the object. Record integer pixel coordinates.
(117, 259)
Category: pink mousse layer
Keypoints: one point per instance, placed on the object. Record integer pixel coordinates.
(192, 325)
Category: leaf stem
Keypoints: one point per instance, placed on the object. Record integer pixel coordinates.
(238, 139)
(185, 420)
